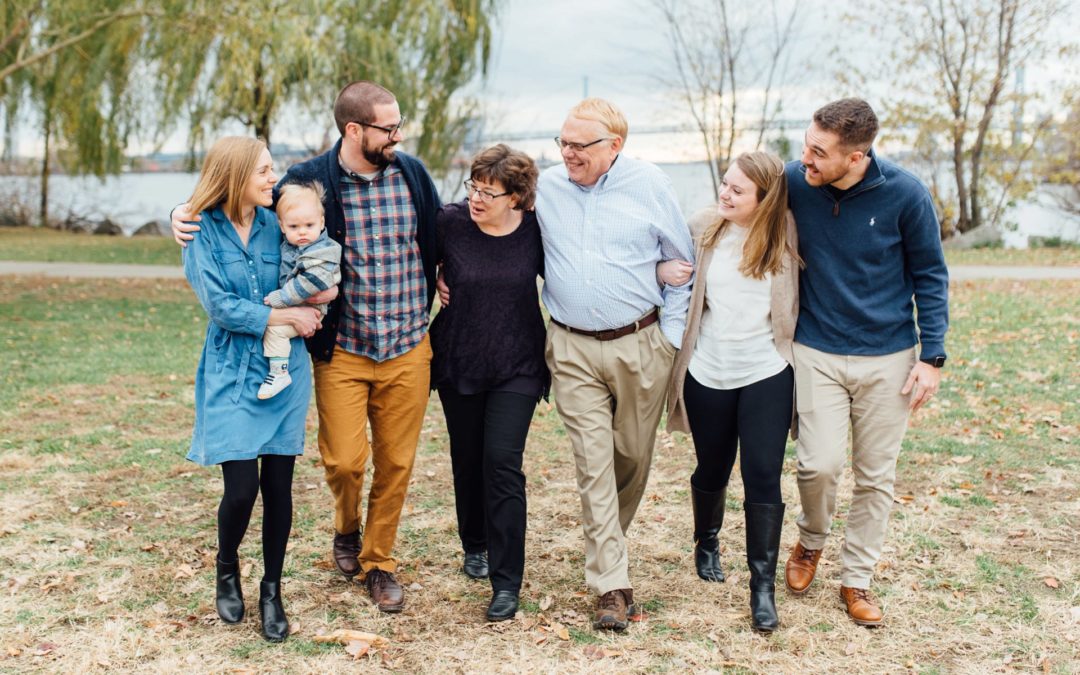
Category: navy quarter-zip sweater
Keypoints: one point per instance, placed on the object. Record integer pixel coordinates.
(872, 253)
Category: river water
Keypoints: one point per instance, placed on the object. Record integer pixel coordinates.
(133, 199)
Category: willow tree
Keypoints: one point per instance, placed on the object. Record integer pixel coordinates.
(253, 60)
(71, 63)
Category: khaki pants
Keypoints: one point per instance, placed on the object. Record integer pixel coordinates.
(832, 393)
(610, 396)
(350, 390)
(276, 341)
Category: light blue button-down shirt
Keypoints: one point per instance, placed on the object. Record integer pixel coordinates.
(602, 244)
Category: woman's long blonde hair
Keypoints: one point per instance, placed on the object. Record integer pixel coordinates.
(225, 172)
(766, 240)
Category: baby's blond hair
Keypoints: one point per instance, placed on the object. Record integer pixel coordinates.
(291, 192)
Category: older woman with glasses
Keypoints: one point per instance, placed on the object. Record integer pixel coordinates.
(488, 364)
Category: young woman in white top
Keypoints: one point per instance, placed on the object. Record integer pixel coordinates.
(732, 385)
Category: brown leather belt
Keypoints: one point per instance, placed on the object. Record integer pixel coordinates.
(614, 333)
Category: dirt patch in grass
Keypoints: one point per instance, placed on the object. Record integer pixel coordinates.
(107, 535)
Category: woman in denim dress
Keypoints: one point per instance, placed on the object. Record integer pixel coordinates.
(232, 265)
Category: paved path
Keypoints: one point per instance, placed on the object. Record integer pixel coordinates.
(968, 272)
(108, 270)
(91, 270)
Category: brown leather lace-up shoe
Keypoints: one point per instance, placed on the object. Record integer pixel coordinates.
(346, 549)
(385, 591)
(613, 610)
(860, 606)
(800, 568)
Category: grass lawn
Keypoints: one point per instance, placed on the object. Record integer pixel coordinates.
(46, 245)
(37, 244)
(107, 535)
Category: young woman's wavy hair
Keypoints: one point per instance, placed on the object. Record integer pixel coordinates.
(766, 241)
(225, 172)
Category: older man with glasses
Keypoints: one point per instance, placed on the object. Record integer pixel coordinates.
(606, 221)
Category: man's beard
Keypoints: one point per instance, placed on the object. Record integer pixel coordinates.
(376, 156)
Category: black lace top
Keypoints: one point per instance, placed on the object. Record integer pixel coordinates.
(491, 336)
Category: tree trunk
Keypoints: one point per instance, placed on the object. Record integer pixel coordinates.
(976, 198)
(963, 218)
(43, 212)
(262, 126)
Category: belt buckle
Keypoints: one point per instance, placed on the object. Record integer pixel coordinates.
(605, 335)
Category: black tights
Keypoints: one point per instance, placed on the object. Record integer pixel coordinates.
(243, 481)
(753, 420)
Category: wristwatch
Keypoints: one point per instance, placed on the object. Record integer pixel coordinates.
(935, 361)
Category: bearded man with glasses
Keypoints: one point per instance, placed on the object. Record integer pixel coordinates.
(372, 356)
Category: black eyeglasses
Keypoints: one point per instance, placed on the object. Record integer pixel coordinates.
(485, 196)
(390, 131)
(578, 147)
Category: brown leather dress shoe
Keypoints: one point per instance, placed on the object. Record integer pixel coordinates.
(613, 610)
(800, 568)
(860, 606)
(385, 591)
(346, 549)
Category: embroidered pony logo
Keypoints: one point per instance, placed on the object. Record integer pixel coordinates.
(871, 222)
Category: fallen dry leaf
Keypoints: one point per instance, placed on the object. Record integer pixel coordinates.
(1051, 582)
(962, 459)
(184, 572)
(357, 648)
(546, 603)
(562, 632)
(345, 636)
(245, 570)
(13, 651)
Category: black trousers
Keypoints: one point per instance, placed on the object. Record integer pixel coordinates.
(753, 420)
(243, 482)
(487, 442)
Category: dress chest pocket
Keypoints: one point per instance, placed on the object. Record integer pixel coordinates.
(269, 272)
(233, 269)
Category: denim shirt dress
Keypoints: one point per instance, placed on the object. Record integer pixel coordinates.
(230, 281)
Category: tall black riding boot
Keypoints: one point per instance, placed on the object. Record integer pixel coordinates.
(708, 519)
(275, 625)
(229, 597)
(763, 525)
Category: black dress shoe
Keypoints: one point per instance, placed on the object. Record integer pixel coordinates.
(229, 597)
(476, 565)
(503, 606)
(274, 624)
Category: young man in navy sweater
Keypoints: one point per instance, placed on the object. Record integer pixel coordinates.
(872, 246)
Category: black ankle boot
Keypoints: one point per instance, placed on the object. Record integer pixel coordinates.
(708, 519)
(763, 525)
(229, 597)
(275, 625)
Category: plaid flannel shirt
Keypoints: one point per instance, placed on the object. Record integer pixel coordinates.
(385, 292)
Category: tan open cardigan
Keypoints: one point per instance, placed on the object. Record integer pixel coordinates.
(783, 308)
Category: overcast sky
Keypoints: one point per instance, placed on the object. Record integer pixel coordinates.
(544, 50)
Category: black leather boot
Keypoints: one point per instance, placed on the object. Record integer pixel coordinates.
(708, 519)
(229, 597)
(763, 525)
(274, 624)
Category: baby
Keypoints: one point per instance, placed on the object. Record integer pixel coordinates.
(310, 262)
